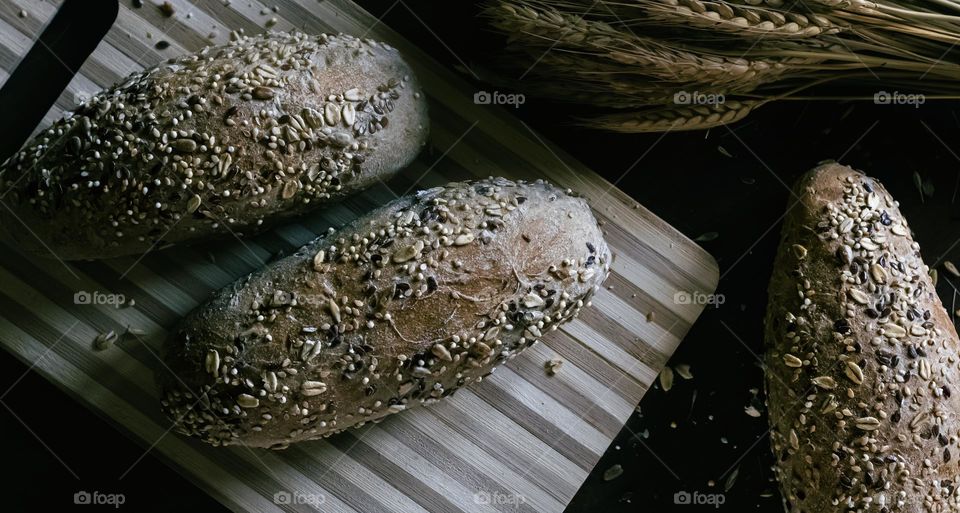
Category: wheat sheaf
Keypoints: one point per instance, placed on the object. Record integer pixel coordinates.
(670, 65)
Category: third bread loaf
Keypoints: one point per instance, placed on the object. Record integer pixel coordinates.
(862, 359)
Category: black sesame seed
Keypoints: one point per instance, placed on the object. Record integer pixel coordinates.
(162, 45)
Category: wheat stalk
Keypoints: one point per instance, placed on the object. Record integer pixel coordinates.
(675, 118)
(737, 20)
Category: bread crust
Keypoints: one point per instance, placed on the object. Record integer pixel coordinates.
(861, 358)
(228, 140)
(398, 309)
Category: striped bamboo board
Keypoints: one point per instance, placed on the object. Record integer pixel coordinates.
(521, 441)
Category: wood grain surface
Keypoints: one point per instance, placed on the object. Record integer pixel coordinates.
(521, 441)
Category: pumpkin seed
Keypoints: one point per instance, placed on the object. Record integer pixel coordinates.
(318, 260)
(683, 370)
(212, 362)
(799, 251)
(193, 204)
(334, 310)
(441, 352)
(894, 330)
(349, 114)
(952, 269)
(878, 274)
(463, 239)
(331, 114)
(867, 423)
(247, 401)
(825, 382)
(666, 379)
(532, 301)
(312, 388)
(409, 252)
(854, 372)
(792, 361)
(859, 296)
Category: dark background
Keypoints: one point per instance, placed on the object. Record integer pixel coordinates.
(692, 438)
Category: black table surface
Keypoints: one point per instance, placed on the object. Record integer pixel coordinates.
(727, 186)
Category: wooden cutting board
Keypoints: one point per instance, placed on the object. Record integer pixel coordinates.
(521, 441)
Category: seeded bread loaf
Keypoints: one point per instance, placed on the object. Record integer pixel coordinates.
(227, 140)
(861, 358)
(398, 309)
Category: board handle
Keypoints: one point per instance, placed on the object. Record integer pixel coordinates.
(44, 72)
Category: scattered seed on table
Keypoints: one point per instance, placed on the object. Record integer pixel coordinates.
(553, 366)
(952, 269)
(105, 340)
(666, 379)
(613, 472)
(167, 9)
(731, 480)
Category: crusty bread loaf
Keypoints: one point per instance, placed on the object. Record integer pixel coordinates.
(398, 309)
(861, 359)
(226, 140)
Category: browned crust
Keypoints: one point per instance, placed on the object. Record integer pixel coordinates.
(230, 139)
(431, 292)
(861, 357)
